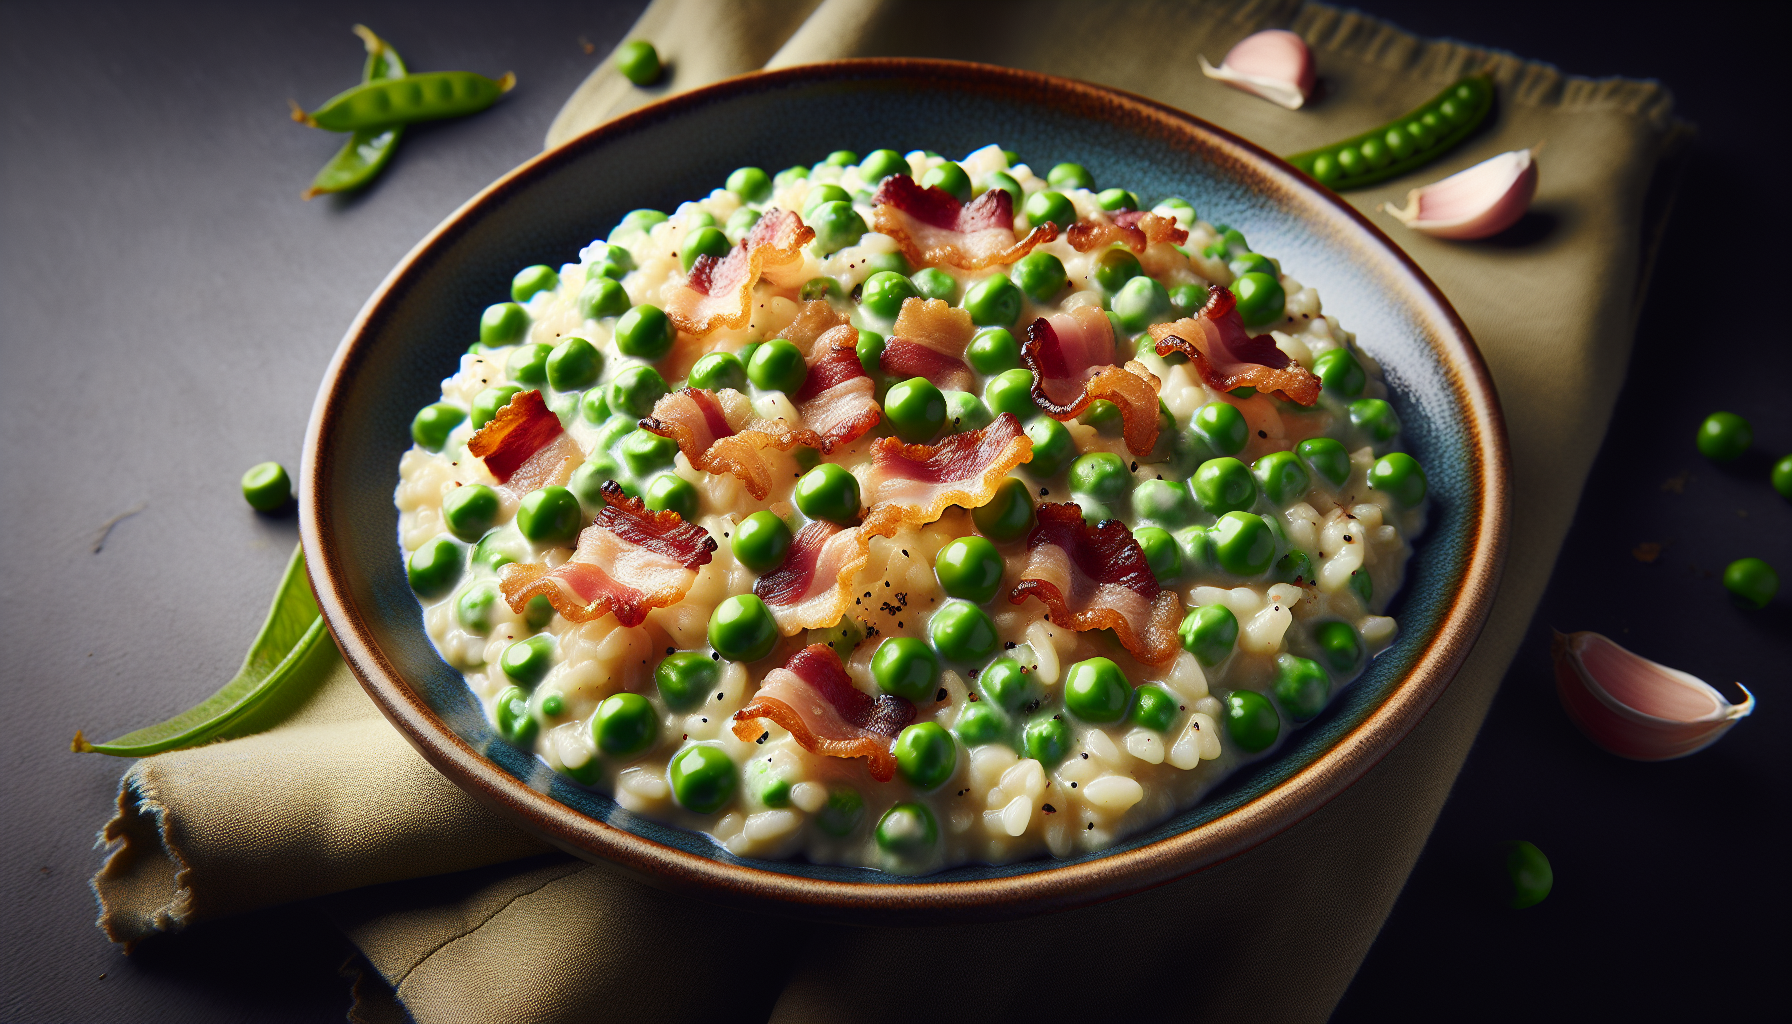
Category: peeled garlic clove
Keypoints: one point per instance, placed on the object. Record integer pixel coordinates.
(1275, 65)
(1635, 708)
(1484, 200)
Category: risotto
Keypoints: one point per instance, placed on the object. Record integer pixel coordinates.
(906, 512)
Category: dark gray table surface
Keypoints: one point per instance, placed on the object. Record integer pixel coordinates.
(167, 306)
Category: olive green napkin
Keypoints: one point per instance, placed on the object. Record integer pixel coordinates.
(332, 798)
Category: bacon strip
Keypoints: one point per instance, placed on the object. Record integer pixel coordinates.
(813, 698)
(1096, 577)
(719, 292)
(629, 562)
(1072, 359)
(813, 586)
(702, 422)
(838, 400)
(916, 483)
(929, 340)
(932, 227)
(525, 448)
(1227, 357)
(1132, 228)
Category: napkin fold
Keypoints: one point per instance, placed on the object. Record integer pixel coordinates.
(332, 801)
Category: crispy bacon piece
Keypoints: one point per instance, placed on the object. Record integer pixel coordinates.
(1096, 577)
(1227, 357)
(916, 483)
(719, 292)
(1072, 359)
(933, 227)
(813, 587)
(1134, 229)
(838, 400)
(702, 422)
(813, 698)
(525, 447)
(629, 561)
(929, 340)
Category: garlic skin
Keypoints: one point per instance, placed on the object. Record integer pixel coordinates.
(1274, 64)
(1484, 200)
(1635, 708)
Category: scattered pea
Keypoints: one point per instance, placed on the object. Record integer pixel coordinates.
(993, 302)
(1340, 372)
(870, 351)
(1101, 475)
(1053, 446)
(1222, 427)
(1752, 580)
(963, 632)
(529, 280)
(829, 492)
(1251, 720)
(685, 679)
(638, 62)
(433, 423)
(1724, 436)
(1224, 485)
(1041, 276)
(1047, 740)
(884, 292)
(515, 723)
(1401, 476)
(1114, 268)
(572, 365)
(934, 283)
(1065, 176)
(837, 225)
(916, 409)
(1260, 299)
(1340, 645)
(1528, 876)
(1009, 514)
(703, 779)
(969, 568)
(951, 178)
(1153, 707)
(1326, 457)
(907, 830)
(978, 724)
(1243, 543)
(843, 811)
(925, 755)
(1003, 181)
(880, 164)
(470, 511)
(751, 184)
(266, 486)
(644, 332)
(1096, 690)
(1375, 418)
(1284, 480)
(643, 452)
(742, 628)
(905, 667)
(1116, 199)
(1301, 686)
(703, 242)
(1140, 303)
(965, 411)
(502, 324)
(1161, 552)
(549, 516)
(527, 661)
(740, 223)
(760, 541)
(717, 371)
(670, 492)
(434, 567)
(1011, 391)
(635, 390)
(602, 297)
(1782, 477)
(1050, 207)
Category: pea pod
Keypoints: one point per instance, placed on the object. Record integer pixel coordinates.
(365, 155)
(1404, 144)
(293, 632)
(430, 96)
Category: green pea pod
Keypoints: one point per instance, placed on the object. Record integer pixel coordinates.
(367, 152)
(293, 630)
(430, 96)
(1404, 144)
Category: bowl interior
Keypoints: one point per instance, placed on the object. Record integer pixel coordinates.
(414, 329)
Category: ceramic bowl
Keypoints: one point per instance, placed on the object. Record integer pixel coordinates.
(412, 331)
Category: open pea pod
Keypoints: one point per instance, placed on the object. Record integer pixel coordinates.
(1404, 144)
(365, 155)
(293, 629)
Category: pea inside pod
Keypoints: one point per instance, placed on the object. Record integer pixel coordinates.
(1404, 144)
(430, 96)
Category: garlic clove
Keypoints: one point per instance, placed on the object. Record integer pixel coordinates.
(1484, 200)
(1274, 64)
(1635, 708)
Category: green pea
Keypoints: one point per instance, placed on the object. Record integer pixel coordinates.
(624, 724)
(1049, 207)
(1177, 207)
(1724, 436)
(1096, 690)
(1140, 303)
(1782, 477)
(978, 724)
(1117, 199)
(1047, 740)
(635, 390)
(751, 184)
(1052, 447)
(1326, 457)
(1301, 686)
(587, 482)
(616, 260)
(819, 288)
(841, 158)
(1251, 720)
(1185, 300)
(1114, 268)
(549, 516)
(891, 262)
(1294, 567)
(829, 492)
(433, 423)
(1222, 427)
(1005, 684)
(515, 723)
(530, 280)
(1362, 586)
(950, 177)
(670, 492)
(934, 283)
(538, 612)
(473, 609)
(644, 332)
(1254, 263)
(1196, 545)
(1375, 418)
(1163, 502)
(925, 755)
(487, 403)
(499, 548)
(963, 632)
(916, 409)
(907, 830)
(843, 811)
(965, 411)
(434, 567)
(969, 568)
(502, 324)
(1094, 512)
(1209, 632)
(1040, 275)
(993, 302)
(1224, 485)
(1005, 182)
(638, 62)
(1340, 372)
(528, 364)
(686, 678)
(602, 297)
(639, 220)
(742, 628)
(1070, 176)
(527, 661)
(842, 637)
(765, 785)
(703, 779)
(470, 511)
(1011, 391)
(837, 225)
(870, 351)
(905, 667)
(1282, 477)
(880, 164)
(1752, 580)
(819, 194)
(571, 365)
(789, 176)
(1009, 514)
(1528, 876)
(778, 365)
(1101, 475)
(1401, 476)
(719, 370)
(703, 242)
(266, 486)
(884, 292)
(740, 223)
(1260, 299)
(1161, 552)
(1154, 708)
(761, 541)
(1104, 416)
(1340, 645)
(1243, 544)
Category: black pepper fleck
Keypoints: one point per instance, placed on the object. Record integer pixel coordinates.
(940, 695)
(1048, 808)
(763, 736)
(671, 651)
(1262, 433)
